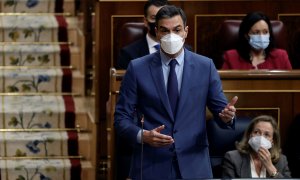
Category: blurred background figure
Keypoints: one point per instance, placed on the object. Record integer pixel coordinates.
(148, 44)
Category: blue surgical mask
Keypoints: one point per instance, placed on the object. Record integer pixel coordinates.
(259, 42)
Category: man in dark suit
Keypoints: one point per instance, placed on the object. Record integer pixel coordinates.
(171, 142)
(148, 44)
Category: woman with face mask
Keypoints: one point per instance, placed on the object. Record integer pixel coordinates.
(255, 49)
(258, 154)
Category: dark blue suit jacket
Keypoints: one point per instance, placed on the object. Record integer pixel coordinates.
(143, 89)
(132, 51)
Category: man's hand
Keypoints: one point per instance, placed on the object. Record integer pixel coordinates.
(155, 138)
(228, 112)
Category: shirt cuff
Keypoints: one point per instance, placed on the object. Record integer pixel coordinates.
(139, 136)
(230, 122)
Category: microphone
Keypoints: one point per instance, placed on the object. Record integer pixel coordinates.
(142, 145)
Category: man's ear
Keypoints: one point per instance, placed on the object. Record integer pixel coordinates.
(146, 23)
(156, 31)
(186, 30)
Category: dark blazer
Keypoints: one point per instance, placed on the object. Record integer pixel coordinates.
(143, 89)
(132, 51)
(237, 165)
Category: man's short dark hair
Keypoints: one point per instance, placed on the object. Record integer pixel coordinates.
(170, 11)
(156, 3)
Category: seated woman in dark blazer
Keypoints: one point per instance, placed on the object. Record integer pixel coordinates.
(258, 155)
(255, 49)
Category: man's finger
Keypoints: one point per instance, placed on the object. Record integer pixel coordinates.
(233, 101)
(159, 128)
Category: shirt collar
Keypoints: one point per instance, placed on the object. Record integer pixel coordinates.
(150, 41)
(166, 60)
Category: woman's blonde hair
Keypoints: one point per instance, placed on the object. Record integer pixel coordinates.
(245, 148)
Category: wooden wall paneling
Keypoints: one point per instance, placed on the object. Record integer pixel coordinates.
(104, 11)
(265, 100)
(207, 35)
(254, 112)
(292, 24)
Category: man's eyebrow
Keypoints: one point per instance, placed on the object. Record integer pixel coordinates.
(163, 27)
(178, 26)
(173, 27)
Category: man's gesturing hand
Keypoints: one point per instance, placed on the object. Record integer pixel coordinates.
(155, 138)
(228, 112)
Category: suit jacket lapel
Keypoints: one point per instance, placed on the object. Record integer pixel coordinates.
(188, 71)
(245, 166)
(156, 71)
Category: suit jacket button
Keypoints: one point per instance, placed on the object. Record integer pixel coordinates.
(175, 131)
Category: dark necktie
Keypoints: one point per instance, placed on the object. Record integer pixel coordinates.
(157, 46)
(172, 87)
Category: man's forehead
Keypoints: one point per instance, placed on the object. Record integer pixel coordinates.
(173, 22)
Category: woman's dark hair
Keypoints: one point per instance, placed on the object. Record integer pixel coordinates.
(249, 20)
(170, 11)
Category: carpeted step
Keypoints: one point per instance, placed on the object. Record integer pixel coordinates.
(45, 80)
(34, 141)
(34, 111)
(46, 169)
(39, 144)
(38, 6)
(31, 112)
(35, 55)
(33, 28)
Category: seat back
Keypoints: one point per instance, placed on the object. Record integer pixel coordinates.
(223, 140)
(130, 32)
(229, 33)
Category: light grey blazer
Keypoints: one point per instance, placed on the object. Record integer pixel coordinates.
(237, 165)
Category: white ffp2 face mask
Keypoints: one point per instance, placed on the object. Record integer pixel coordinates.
(171, 43)
(259, 141)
